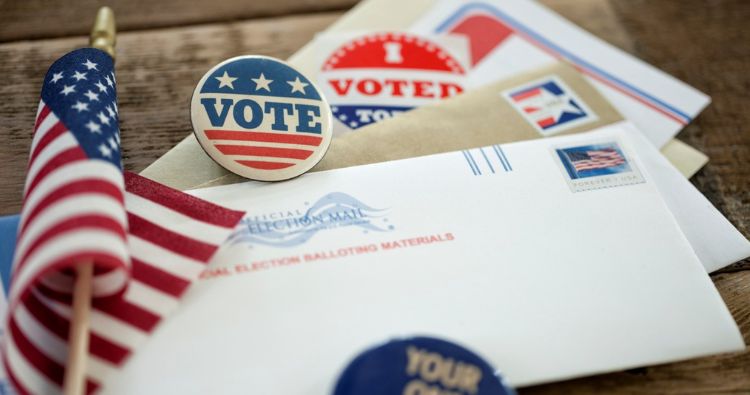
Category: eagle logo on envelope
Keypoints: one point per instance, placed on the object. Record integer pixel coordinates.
(293, 227)
(376, 76)
(260, 118)
(549, 105)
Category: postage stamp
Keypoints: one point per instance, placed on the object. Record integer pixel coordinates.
(549, 105)
(597, 166)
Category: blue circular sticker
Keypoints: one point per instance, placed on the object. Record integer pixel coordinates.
(260, 118)
(420, 366)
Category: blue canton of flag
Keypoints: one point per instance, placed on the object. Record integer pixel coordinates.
(80, 90)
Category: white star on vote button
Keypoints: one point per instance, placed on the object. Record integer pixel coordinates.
(226, 80)
(298, 86)
(262, 83)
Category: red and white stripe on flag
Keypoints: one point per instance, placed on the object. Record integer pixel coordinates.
(148, 243)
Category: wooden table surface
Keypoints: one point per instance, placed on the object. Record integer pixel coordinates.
(164, 47)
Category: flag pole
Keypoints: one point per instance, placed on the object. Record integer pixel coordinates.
(102, 37)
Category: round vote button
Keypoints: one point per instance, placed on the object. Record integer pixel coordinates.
(420, 366)
(260, 118)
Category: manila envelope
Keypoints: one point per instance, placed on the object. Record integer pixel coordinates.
(491, 118)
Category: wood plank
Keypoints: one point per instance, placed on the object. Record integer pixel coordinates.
(705, 45)
(33, 19)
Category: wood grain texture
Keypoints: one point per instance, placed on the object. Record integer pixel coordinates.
(33, 19)
(701, 42)
(706, 43)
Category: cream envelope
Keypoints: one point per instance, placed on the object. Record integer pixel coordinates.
(186, 166)
(554, 258)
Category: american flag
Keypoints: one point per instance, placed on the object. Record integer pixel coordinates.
(595, 159)
(147, 242)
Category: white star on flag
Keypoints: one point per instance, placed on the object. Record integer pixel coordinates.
(90, 65)
(103, 118)
(101, 87)
(109, 80)
(297, 85)
(110, 111)
(226, 80)
(68, 89)
(262, 83)
(106, 151)
(80, 106)
(92, 96)
(79, 76)
(93, 127)
(56, 77)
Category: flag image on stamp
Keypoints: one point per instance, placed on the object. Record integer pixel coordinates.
(597, 166)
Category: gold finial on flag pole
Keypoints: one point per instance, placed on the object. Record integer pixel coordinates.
(102, 37)
(104, 31)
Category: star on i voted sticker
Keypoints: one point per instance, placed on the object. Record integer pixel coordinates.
(260, 118)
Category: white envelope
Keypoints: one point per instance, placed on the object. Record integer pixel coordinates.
(512, 36)
(553, 258)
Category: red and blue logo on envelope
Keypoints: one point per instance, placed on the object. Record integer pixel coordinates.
(549, 105)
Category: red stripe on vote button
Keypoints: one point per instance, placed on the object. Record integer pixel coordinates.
(263, 137)
(256, 164)
(264, 151)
